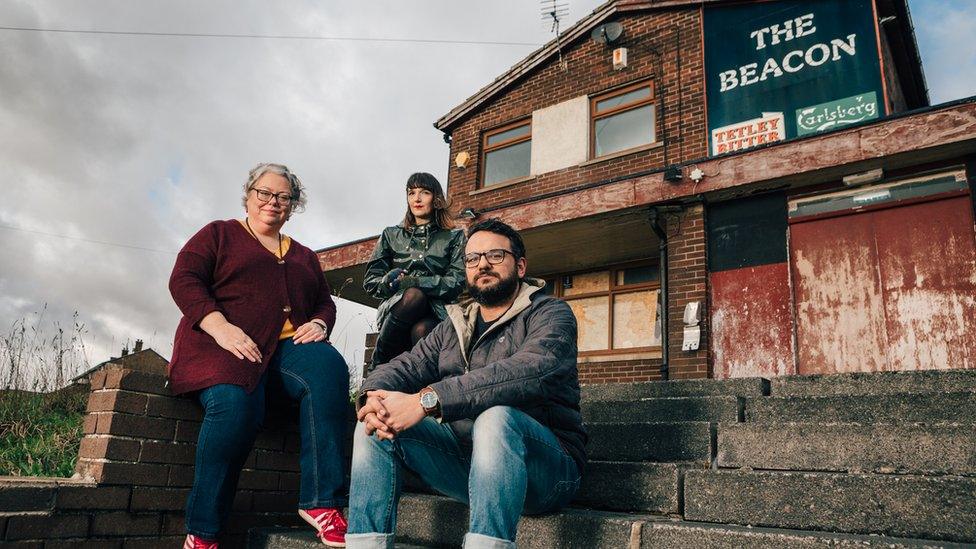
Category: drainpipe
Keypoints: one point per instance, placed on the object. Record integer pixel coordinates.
(654, 217)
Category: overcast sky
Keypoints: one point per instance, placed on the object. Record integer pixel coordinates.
(124, 145)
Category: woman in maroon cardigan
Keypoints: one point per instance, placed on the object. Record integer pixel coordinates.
(257, 313)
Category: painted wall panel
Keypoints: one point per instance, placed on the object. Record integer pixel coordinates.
(928, 279)
(560, 135)
(839, 308)
(752, 327)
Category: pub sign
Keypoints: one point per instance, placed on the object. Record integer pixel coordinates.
(788, 68)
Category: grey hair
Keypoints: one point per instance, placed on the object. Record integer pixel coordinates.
(297, 189)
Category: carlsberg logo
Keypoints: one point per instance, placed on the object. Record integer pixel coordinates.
(835, 114)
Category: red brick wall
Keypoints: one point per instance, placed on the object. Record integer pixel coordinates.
(686, 283)
(620, 371)
(136, 460)
(590, 72)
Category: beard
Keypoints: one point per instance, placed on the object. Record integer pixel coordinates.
(496, 294)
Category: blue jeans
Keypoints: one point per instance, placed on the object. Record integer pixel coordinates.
(315, 375)
(516, 466)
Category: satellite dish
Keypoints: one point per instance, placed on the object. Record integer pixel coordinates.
(607, 34)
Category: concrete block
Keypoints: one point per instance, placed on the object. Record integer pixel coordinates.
(875, 383)
(657, 442)
(752, 386)
(899, 408)
(914, 448)
(624, 486)
(715, 408)
(939, 508)
(663, 534)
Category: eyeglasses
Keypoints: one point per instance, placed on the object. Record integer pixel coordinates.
(494, 257)
(265, 196)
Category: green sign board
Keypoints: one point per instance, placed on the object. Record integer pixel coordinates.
(787, 68)
(837, 114)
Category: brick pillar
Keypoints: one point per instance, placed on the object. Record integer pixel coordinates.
(138, 435)
(687, 279)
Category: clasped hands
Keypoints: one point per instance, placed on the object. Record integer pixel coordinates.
(387, 413)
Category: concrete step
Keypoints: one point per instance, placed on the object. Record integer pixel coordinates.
(875, 383)
(675, 534)
(912, 448)
(658, 442)
(643, 531)
(940, 508)
(627, 486)
(958, 407)
(714, 408)
(752, 386)
(436, 521)
(617, 486)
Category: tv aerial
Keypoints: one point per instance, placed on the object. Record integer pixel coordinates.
(553, 13)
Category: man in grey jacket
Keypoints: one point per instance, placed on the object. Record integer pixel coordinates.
(485, 409)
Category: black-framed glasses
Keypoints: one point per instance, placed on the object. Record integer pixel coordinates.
(494, 257)
(265, 196)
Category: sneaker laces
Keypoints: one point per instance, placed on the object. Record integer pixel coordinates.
(335, 520)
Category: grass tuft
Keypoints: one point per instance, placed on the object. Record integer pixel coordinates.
(40, 433)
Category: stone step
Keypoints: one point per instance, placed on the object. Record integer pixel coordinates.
(676, 534)
(657, 442)
(958, 407)
(912, 448)
(875, 383)
(436, 521)
(633, 531)
(636, 487)
(616, 486)
(752, 386)
(714, 408)
(940, 508)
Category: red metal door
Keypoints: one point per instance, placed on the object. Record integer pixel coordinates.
(892, 288)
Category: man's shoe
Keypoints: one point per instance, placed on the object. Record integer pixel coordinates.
(193, 542)
(329, 523)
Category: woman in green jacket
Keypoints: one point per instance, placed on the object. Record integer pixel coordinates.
(416, 269)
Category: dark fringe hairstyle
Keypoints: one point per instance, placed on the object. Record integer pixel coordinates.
(442, 215)
(499, 227)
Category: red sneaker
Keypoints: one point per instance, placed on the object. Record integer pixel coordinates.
(329, 523)
(193, 542)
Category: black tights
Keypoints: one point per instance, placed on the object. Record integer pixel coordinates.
(410, 319)
(414, 310)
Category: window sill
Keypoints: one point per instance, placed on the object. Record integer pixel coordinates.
(613, 356)
(502, 185)
(625, 152)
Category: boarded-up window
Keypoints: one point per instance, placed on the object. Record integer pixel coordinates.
(617, 310)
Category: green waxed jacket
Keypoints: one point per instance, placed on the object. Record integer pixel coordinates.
(428, 252)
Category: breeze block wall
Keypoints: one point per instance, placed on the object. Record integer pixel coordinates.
(135, 469)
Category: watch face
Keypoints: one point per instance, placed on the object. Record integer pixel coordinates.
(428, 400)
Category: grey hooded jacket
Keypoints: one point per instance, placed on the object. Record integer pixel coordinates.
(526, 359)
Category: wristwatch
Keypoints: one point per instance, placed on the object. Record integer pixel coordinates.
(428, 399)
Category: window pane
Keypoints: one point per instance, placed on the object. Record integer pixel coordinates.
(623, 99)
(508, 134)
(638, 275)
(591, 320)
(508, 163)
(625, 130)
(586, 283)
(635, 320)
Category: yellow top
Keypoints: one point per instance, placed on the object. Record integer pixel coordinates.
(287, 330)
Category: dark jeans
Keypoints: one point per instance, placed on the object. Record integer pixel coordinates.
(315, 375)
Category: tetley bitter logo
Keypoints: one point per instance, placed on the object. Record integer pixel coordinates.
(837, 114)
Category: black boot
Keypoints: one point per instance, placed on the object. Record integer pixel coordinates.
(390, 342)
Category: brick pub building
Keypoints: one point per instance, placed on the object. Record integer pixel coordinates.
(811, 211)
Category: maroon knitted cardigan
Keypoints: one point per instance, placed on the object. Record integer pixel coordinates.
(223, 268)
